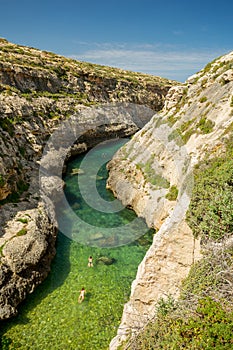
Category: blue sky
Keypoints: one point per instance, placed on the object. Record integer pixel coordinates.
(172, 39)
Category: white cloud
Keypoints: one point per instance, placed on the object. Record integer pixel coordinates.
(177, 32)
(165, 61)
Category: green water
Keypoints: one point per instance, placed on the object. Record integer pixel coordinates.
(52, 318)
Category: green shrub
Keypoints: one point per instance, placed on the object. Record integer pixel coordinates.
(158, 181)
(209, 327)
(187, 135)
(205, 125)
(210, 276)
(155, 179)
(208, 67)
(21, 232)
(23, 220)
(150, 175)
(186, 125)
(176, 135)
(172, 194)
(164, 307)
(211, 208)
(22, 151)
(203, 99)
(180, 138)
(172, 119)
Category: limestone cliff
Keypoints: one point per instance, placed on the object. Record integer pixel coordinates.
(27, 249)
(153, 174)
(38, 91)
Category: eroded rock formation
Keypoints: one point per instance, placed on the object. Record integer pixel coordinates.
(195, 121)
(27, 251)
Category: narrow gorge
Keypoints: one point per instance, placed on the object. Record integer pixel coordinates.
(39, 92)
(52, 109)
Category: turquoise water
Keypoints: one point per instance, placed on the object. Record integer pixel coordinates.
(52, 318)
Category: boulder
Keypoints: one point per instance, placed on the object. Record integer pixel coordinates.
(106, 260)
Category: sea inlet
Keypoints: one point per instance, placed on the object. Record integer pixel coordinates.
(51, 318)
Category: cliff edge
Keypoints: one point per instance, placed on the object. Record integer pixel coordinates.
(153, 174)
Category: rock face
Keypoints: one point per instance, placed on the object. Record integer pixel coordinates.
(27, 251)
(159, 275)
(195, 120)
(39, 91)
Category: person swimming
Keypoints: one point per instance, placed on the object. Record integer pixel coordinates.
(81, 295)
(90, 261)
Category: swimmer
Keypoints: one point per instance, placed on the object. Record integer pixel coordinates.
(90, 261)
(81, 296)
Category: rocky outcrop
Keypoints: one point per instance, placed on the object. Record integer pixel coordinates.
(196, 119)
(27, 249)
(160, 274)
(39, 93)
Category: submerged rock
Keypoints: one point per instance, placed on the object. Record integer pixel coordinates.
(96, 236)
(77, 171)
(106, 260)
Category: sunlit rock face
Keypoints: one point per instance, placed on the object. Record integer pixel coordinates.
(197, 117)
(28, 247)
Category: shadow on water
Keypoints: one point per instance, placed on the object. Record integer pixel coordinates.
(87, 297)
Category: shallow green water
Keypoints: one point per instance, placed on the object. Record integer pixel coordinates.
(52, 318)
